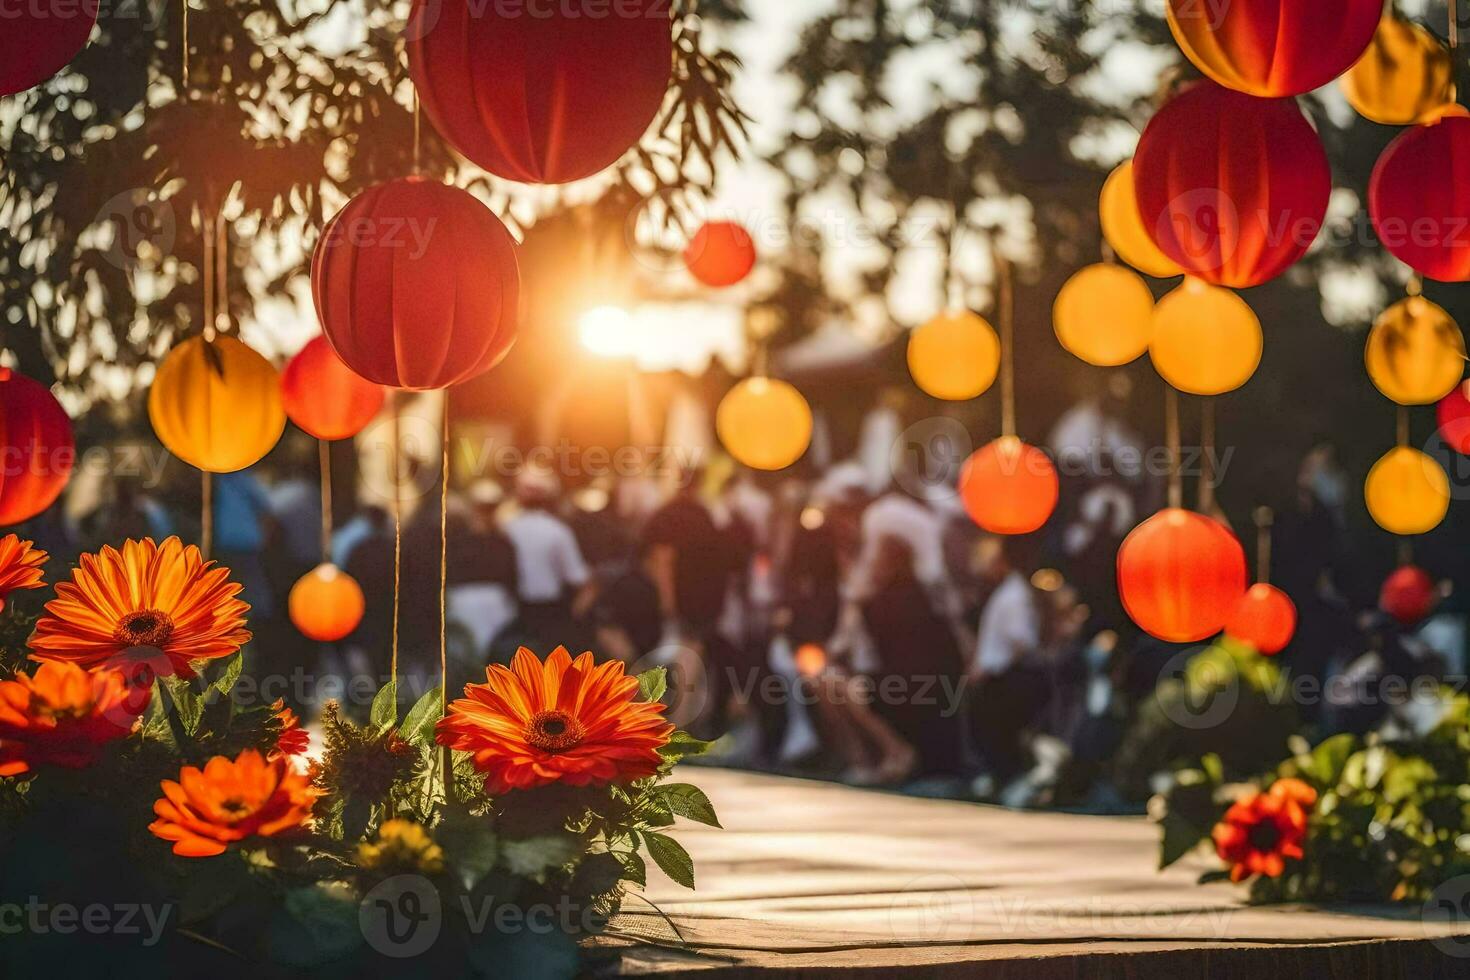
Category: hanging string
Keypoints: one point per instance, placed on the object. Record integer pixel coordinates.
(184, 55)
(444, 582)
(1265, 517)
(397, 529)
(1405, 551)
(222, 276)
(206, 513)
(324, 450)
(1403, 426)
(416, 131)
(1005, 310)
(1207, 456)
(1171, 435)
(954, 288)
(206, 272)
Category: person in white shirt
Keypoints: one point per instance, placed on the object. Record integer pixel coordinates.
(555, 584)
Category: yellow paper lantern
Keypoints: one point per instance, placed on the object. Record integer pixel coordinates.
(326, 603)
(1122, 226)
(1405, 75)
(1415, 353)
(954, 356)
(1206, 340)
(764, 423)
(1407, 492)
(216, 404)
(1103, 315)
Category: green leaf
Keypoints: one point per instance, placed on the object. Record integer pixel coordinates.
(670, 856)
(418, 724)
(384, 713)
(1210, 877)
(1180, 837)
(652, 684)
(681, 745)
(469, 843)
(535, 856)
(634, 869)
(598, 874)
(314, 926)
(688, 801)
(188, 705)
(228, 677)
(1213, 768)
(1329, 759)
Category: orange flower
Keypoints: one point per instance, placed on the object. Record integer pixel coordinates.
(293, 740)
(561, 721)
(1260, 831)
(228, 801)
(148, 605)
(63, 716)
(20, 566)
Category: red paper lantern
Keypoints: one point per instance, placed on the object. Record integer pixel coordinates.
(1181, 575)
(1008, 487)
(1265, 618)
(416, 285)
(40, 38)
(543, 93)
(721, 253)
(1274, 47)
(1419, 201)
(1408, 595)
(1231, 187)
(324, 397)
(36, 447)
(1454, 420)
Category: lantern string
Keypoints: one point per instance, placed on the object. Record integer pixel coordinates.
(954, 288)
(324, 449)
(206, 513)
(444, 581)
(1405, 551)
(1005, 303)
(1171, 434)
(1265, 517)
(1207, 456)
(207, 274)
(221, 321)
(184, 55)
(416, 132)
(397, 531)
(1403, 426)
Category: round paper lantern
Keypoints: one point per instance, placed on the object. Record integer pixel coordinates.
(216, 404)
(1009, 487)
(1418, 199)
(326, 603)
(38, 451)
(1206, 340)
(1408, 595)
(416, 285)
(543, 92)
(1123, 229)
(1265, 618)
(1407, 492)
(764, 423)
(40, 39)
(1405, 75)
(954, 356)
(324, 397)
(1103, 315)
(1415, 352)
(1231, 187)
(1454, 419)
(721, 253)
(1271, 48)
(1181, 575)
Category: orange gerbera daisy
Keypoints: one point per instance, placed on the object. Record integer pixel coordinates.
(293, 739)
(564, 721)
(20, 566)
(157, 606)
(63, 716)
(226, 802)
(1262, 830)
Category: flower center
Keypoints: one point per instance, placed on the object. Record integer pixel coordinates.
(41, 708)
(554, 731)
(235, 809)
(1264, 837)
(145, 628)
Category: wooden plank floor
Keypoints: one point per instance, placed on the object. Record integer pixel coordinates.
(812, 877)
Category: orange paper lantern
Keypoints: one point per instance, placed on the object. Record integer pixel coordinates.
(720, 254)
(324, 397)
(764, 423)
(1103, 315)
(1272, 48)
(1408, 595)
(1418, 199)
(1206, 340)
(1231, 187)
(1265, 618)
(1407, 492)
(955, 356)
(1122, 226)
(38, 450)
(1405, 75)
(216, 404)
(1009, 487)
(1415, 353)
(416, 285)
(1181, 575)
(326, 604)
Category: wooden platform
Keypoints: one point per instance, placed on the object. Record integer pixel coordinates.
(810, 877)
